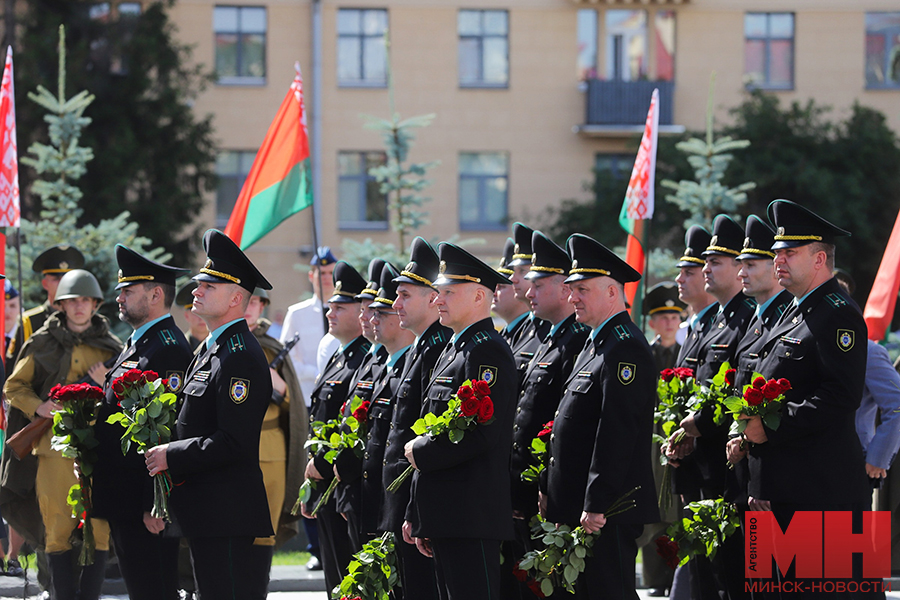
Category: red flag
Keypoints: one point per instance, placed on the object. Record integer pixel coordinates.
(9, 164)
(883, 297)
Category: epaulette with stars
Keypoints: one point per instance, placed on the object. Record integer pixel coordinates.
(168, 337)
(835, 300)
(577, 327)
(621, 332)
(365, 346)
(437, 338)
(481, 336)
(236, 343)
(750, 302)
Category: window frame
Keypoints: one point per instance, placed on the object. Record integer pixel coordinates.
(242, 80)
(361, 36)
(766, 84)
(363, 179)
(885, 58)
(480, 37)
(481, 223)
(241, 176)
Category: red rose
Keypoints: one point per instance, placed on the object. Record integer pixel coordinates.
(132, 376)
(149, 376)
(118, 389)
(668, 549)
(759, 382)
(469, 406)
(535, 588)
(785, 384)
(481, 387)
(753, 396)
(667, 375)
(486, 410)
(54, 392)
(547, 430)
(519, 573)
(165, 383)
(771, 390)
(465, 391)
(362, 411)
(684, 373)
(729, 376)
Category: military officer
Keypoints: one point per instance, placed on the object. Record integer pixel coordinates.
(418, 314)
(505, 304)
(197, 330)
(692, 291)
(599, 447)
(219, 498)
(819, 346)
(123, 493)
(332, 389)
(526, 341)
(474, 473)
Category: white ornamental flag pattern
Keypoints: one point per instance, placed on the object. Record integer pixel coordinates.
(639, 195)
(9, 162)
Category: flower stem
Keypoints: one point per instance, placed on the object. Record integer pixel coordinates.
(395, 485)
(325, 496)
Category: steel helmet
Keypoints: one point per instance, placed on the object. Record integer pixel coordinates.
(77, 283)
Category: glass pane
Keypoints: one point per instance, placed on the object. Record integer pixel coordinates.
(780, 58)
(129, 9)
(374, 159)
(587, 44)
(781, 25)
(225, 18)
(875, 45)
(882, 48)
(99, 12)
(349, 163)
(755, 25)
(348, 200)
(227, 192)
(376, 203)
(349, 21)
(247, 159)
(626, 44)
(253, 20)
(665, 45)
(495, 22)
(469, 22)
(374, 60)
(226, 54)
(495, 201)
(469, 60)
(253, 55)
(349, 68)
(227, 163)
(754, 61)
(374, 22)
(496, 65)
(483, 163)
(468, 201)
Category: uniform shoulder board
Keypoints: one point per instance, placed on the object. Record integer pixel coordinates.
(750, 302)
(437, 338)
(365, 346)
(236, 343)
(835, 300)
(34, 311)
(577, 327)
(481, 336)
(779, 310)
(168, 337)
(621, 332)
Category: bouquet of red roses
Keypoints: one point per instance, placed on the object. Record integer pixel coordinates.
(760, 398)
(335, 436)
(73, 436)
(470, 407)
(148, 415)
(540, 453)
(677, 391)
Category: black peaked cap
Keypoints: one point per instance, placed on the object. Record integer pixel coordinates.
(509, 248)
(371, 289)
(758, 240)
(348, 283)
(458, 266)
(58, 259)
(727, 238)
(136, 268)
(522, 250)
(591, 259)
(798, 226)
(548, 258)
(226, 263)
(661, 298)
(387, 290)
(696, 240)
(184, 297)
(422, 268)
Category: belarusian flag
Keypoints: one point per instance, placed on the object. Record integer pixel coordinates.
(279, 183)
(638, 205)
(883, 298)
(9, 167)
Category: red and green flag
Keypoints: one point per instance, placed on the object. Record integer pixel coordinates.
(883, 298)
(279, 183)
(639, 197)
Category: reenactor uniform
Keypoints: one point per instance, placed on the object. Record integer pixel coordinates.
(529, 336)
(416, 571)
(332, 389)
(123, 491)
(219, 498)
(475, 471)
(600, 447)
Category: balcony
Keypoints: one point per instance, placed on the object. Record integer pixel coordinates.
(617, 108)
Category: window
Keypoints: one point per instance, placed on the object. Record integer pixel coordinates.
(362, 57)
(664, 22)
(129, 9)
(626, 45)
(129, 15)
(361, 205)
(587, 44)
(232, 167)
(483, 48)
(614, 166)
(240, 33)
(769, 50)
(883, 50)
(483, 185)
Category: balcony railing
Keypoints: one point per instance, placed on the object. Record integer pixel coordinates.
(626, 102)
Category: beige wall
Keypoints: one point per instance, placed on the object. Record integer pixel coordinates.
(533, 119)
